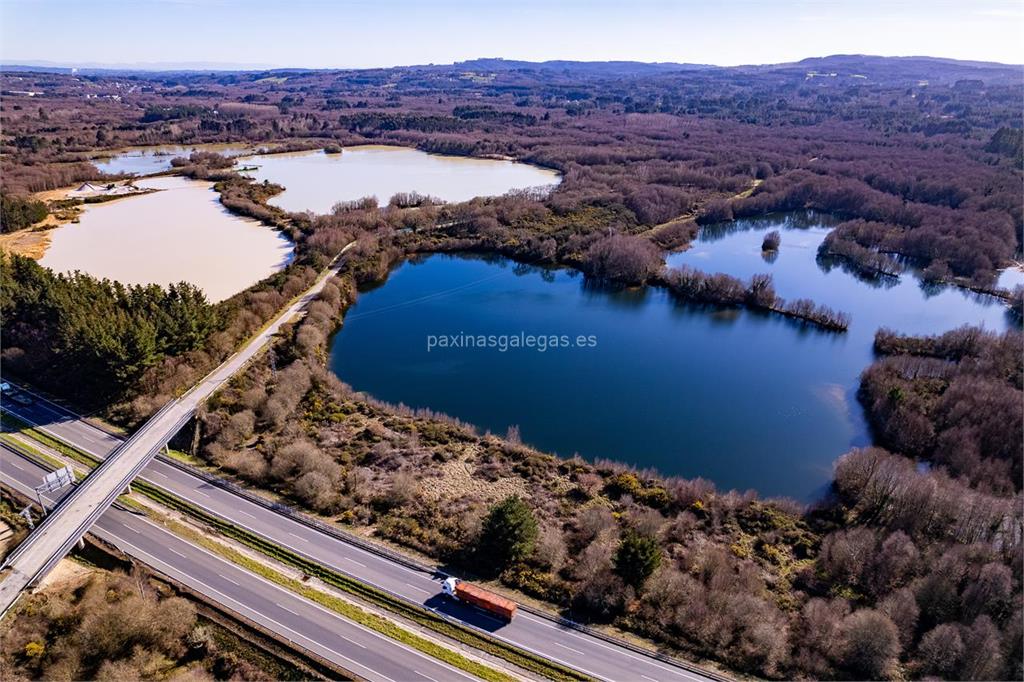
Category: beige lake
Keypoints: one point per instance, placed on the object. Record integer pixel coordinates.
(315, 181)
(157, 158)
(180, 233)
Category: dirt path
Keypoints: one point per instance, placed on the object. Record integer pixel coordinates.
(686, 217)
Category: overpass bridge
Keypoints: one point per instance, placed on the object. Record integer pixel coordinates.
(54, 537)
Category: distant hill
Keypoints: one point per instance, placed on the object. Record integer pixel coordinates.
(616, 68)
(888, 70)
(137, 67)
(876, 69)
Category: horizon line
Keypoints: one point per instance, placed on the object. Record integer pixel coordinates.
(196, 66)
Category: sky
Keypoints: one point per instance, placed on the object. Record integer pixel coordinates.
(369, 33)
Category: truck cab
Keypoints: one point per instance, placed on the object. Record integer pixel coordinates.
(468, 593)
(449, 585)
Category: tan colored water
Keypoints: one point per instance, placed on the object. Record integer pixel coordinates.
(157, 158)
(315, 181)
(181, 233)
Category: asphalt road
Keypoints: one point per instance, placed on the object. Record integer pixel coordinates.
(354, 648)
(578, 650)
(55, 537)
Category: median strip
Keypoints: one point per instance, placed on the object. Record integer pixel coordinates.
(420, 615)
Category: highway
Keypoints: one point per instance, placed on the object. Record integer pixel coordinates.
(594, 656)
(58, 533)
(303, 622)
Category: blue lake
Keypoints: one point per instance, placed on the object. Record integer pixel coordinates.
(744, 399)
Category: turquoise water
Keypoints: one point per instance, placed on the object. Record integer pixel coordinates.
(744, 399)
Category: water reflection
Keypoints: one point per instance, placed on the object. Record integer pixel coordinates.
(745, 398)
(156, 159)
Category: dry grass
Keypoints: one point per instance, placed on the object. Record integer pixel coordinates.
(66, 575)
(456, 481)
(31, 241)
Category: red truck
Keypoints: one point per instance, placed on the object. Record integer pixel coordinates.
(477, 596)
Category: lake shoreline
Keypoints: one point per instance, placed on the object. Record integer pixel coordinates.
(845, 389)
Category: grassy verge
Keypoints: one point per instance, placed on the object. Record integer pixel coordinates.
(43, 438)
(41, 456)
(185, 458)
(417, 614)
(340, 606)
(368, 593)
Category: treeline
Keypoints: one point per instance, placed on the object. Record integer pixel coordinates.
(486, 113)
(373, 124)
(934, 567)
(952, 399)
(690, 284)
(17, 213)
(868, 262)
(970, 243)
(155, 112)
(92, 338)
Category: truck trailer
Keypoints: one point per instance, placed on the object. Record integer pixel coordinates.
(468, 593)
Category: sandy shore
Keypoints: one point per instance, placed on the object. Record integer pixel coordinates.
(31, 241)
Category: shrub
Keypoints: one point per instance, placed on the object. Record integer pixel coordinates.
(869, 644)
(508, 534)
(637, 557)
(622, 258)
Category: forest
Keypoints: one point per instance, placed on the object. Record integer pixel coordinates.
(927, 172)
(910, 566)
(17, 213)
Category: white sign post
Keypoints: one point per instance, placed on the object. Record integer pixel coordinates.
(26, 513)
(53, 481)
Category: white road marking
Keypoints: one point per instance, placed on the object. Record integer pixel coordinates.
(456, 673)
(286, 609)
(617, 650)
(176, 552)
(224, 577)
(226, 598)
(354, 561)
(297, 536)
(575, 651)
(426, 676)
(418, 589)
(648, 678)
(245, 513)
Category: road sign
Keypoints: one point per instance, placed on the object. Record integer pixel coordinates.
(55, 480)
